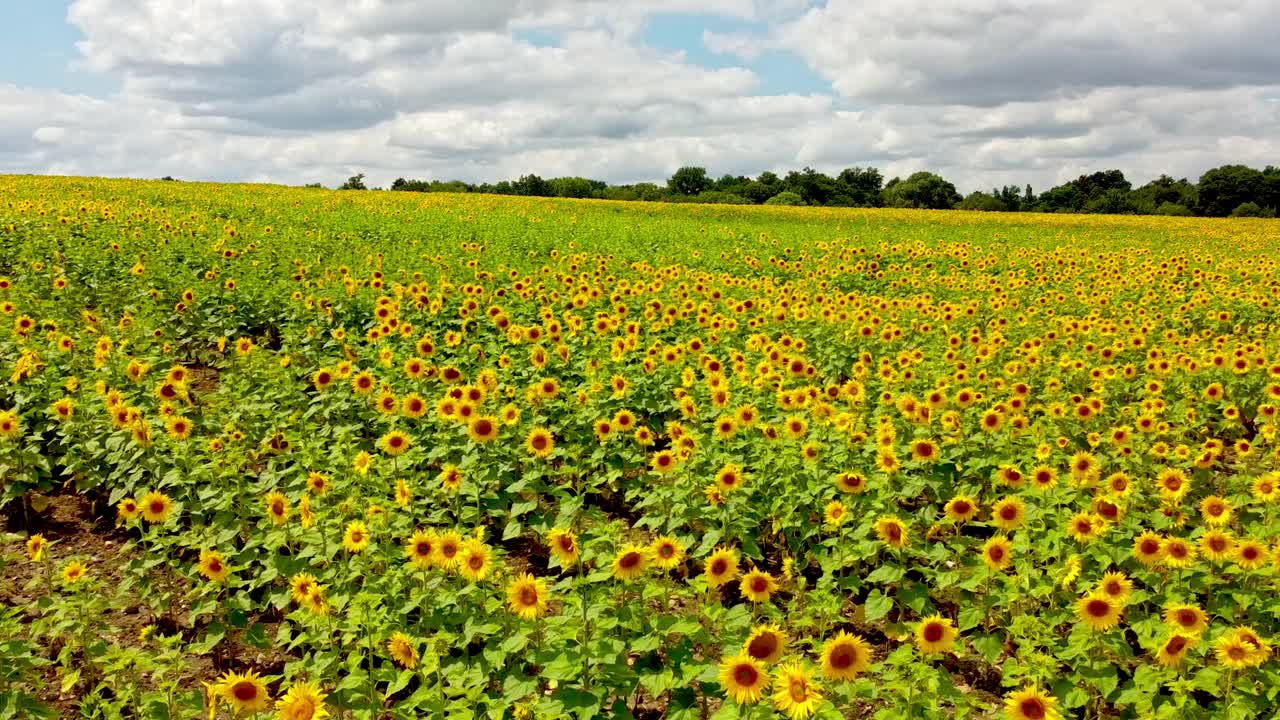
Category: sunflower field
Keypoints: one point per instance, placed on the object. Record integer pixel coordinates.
(294, 453)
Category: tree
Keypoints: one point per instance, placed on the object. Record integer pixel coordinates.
(1225, 188)
(785, 198)
(1111, 202)
(862, 185)
(689, 181)
(1247, 209)
(531, 186)
(816, 188)
(922, 190)
(979, 200)
(1164, 190)
(355, 182)
(1173, 210)
(574, 187)
(757, 192)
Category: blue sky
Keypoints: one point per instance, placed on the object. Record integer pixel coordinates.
(984, 92)
(37, 49)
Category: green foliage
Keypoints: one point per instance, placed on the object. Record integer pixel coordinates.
(785, 198)
(689, 181)
(1226, 188)
(923, 190)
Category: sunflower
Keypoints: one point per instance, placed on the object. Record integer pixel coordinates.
(540, 442)
(301, 587)
(356, 537)
(744, 679)
(729, 478)
(246, 692)
(450, 478)
(851, 482)
(1148, 548)
(766, 643)
(527, 596)
(420, 549)
(564, 545)
(403, 650)
(156, 507)
(1098, 611)
(1217, 545)
(1259, 649)
(317, 483)
(277, 507)
(1008, 513)
(36, 545)
(475, 560)
(924, 451)
(322, 379)
(835, 513)
(1030, 703)
(961, 508)
(482, 429)
(128, 509)
(1186, 619)
(448, 550)
(667, 552)
(845, 656)
(213, 566)
(1173, 484)
(892, 532)
(1232, 651)
(1215, 510)
(1267, 488)
(73, 572)
(363, 382)
(1171, 652)
(722, 567)
(630, 562)
(1084, 526)
(395, 443)
(996, 552)
(1178, 553)
(1251, 554)
(796, 693)
(303, 701)
(1043, 478)
(663, 462)
(758, 585)
(1117, 586)
(935, 634)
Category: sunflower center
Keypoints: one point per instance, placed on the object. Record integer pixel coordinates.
(1176, 644)
(528, 596)
(932, 632)
(422, 549)
(475, 562)
(762, 647)
(759, 585)
(1098, 608)
(996, 553)
(244, 691)
(745, 675)
(718, 567)
(157, 507)
(799, 690)
(1032, 709)
(629, 560)
(842, 657)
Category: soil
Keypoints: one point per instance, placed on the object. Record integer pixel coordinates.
(68, 522)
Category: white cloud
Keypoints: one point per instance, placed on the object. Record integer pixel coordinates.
(987, 92)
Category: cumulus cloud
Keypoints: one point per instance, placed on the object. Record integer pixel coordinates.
(987, 92)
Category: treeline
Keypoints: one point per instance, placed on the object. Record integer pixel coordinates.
(1230, 190)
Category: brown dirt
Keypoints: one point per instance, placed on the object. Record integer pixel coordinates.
(68, 522)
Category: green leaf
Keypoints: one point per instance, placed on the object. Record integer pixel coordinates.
(878, 605)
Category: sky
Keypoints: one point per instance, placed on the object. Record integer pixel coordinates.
(984, 92)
